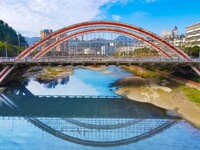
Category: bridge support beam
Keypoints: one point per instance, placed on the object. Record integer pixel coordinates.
(5, 72)
(196, 69)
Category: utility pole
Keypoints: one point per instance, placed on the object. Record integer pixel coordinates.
(6, 50)
(199, 55)
(18, 40)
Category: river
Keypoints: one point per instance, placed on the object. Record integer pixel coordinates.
(82, 111)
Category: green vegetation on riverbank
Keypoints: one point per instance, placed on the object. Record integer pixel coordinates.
(54, 72)
(191, 93)
(138, 71)
(168, 94)
(139, 52)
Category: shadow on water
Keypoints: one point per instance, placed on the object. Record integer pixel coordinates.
(92, 121)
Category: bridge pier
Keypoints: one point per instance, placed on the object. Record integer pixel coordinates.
(196, 69)
(5, 72)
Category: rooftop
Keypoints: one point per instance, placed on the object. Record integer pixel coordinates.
(196, 24)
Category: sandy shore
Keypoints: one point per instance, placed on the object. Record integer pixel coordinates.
(162, 94)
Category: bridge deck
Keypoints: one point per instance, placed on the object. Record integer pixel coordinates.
(97, 60)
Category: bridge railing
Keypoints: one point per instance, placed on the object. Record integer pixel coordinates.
(98, 59)
(80, 96)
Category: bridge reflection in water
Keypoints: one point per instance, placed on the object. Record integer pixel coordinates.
(98, 122)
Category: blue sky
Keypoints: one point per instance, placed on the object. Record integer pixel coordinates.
(29, 17)
(158, 15)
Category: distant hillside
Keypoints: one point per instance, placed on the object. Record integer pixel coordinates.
(9, 35)
(9, 41)
(32, 40)
(125, 38)
(9, 50)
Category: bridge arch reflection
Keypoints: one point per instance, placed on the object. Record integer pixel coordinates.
(99, 122)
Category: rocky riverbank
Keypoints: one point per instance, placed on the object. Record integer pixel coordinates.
(95, 68)
(99, 68)
(49, 73)
(161, 92)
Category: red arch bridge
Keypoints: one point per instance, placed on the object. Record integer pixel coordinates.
(100, 42)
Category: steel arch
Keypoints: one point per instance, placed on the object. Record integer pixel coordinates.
(99, 24)
(44, 51)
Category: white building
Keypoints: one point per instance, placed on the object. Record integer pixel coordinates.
(128, 49)
(170, 34)
(179, 41)
(193, 35)
(173, 37)
(166, 34)
(87, 51)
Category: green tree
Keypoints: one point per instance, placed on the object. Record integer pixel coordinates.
(193, 51)
(12, 50)
(9, 35)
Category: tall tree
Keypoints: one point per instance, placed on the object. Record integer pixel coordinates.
(9, 35)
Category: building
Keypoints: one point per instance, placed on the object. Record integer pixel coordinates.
(173, 37)
(87, 51)
(166, 34)
(108, 49)
(193, 35)
(129, 49)
(179, 41)
(170, 34)
(45, 32)
(175, 32)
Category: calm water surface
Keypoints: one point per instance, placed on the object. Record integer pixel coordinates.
(54, 115)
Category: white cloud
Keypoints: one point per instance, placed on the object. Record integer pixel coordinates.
(29, 17)
(116, 17)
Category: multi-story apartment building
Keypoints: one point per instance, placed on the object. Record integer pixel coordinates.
(193, 35)
(45, 32)
(179, 41)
